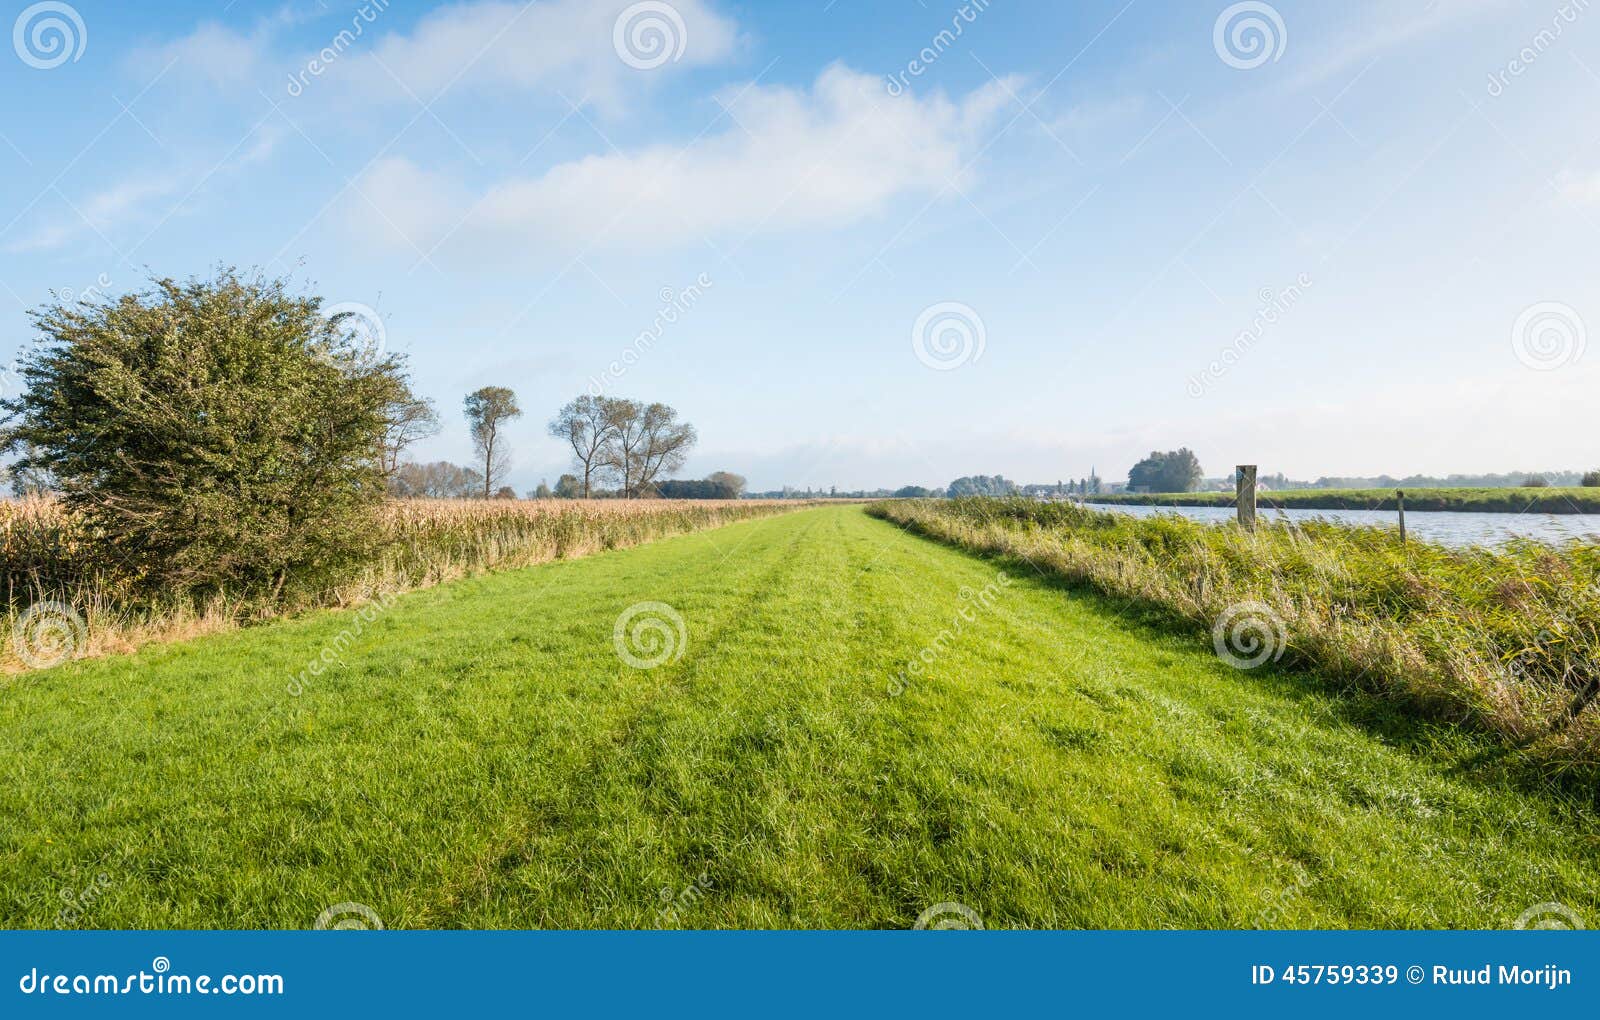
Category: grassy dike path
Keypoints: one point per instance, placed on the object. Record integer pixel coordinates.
(480, 755)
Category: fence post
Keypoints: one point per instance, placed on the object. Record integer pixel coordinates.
(1245, 481)
(1400, 503)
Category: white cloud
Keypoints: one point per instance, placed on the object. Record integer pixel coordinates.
(1579, 189)
(216, 54)
(100, 213)
(1091, 117)
(491, 45)
(559, 44)
(1382, 27)
(784, 160)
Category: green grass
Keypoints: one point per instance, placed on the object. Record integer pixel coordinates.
(1550, 500)
(1504, 639)
(481, 757)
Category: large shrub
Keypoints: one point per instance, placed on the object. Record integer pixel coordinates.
(210, 431)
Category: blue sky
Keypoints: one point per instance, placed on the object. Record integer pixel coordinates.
(1343, 239)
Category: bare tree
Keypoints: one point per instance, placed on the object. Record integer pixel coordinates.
(588, 424)
(667, 442)
(622, 449)
(439, 480)
(646, 440)
(487, 411)
(410, 418)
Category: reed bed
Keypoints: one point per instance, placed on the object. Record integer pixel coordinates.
(1505, 639)
(66, 599)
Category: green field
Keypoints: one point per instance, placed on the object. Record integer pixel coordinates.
(481, 756)
(1552, 500)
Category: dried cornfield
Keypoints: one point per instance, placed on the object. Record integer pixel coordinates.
(67, 596)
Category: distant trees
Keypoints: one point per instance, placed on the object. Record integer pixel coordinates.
(214, 430)
(410, 420)
(719, 485)
(1456, 481)
(505, 492)
(1090, 486)
(28, 479)
(542, 492)
(614, 442)
(728, 482)
(1173, 471)
(624, 441)
(488, 410)
(587, 424)
(913, 492)
(1535, 482)
(1591, 480)
(438, 480)
(981, 485)
(648, 440)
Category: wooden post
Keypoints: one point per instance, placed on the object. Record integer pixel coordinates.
(1400, 503)
(1245, 481)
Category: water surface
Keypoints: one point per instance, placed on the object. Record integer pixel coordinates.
(1444, 527)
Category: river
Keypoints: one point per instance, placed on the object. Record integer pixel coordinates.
(1446, 528)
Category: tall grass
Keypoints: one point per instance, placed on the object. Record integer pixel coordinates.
(85, 603)
(1506, 639)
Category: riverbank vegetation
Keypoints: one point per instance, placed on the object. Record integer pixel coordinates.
(1507, 640)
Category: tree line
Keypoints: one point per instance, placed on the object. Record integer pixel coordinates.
(620, 448)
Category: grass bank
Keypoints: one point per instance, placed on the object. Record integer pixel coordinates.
(481, 755)
(1507, 640)
(1550, 500)
(65, 599)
